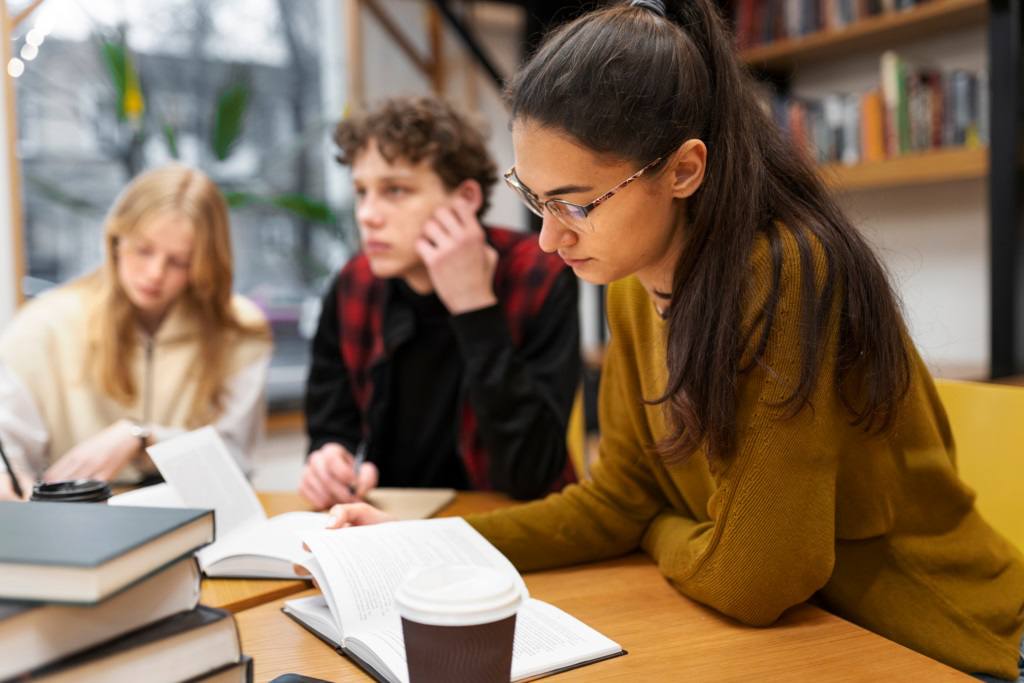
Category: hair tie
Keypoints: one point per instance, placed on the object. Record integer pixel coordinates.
(656, 6)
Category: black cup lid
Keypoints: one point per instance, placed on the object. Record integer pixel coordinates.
(74, 491)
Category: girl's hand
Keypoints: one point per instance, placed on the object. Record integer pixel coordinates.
(100, 456)
(356, 514)
(7, 491)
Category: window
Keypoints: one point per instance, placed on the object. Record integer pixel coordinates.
(111, 88)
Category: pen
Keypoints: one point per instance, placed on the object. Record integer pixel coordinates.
(14, 480)
(357, 464)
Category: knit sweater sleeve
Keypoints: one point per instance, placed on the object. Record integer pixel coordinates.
(770, 540)
(31, 376)
(606, 515)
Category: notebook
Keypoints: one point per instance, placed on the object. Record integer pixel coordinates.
(358, 570)
(33, 635)
(85, 552)
(188, 645)
(410, 503)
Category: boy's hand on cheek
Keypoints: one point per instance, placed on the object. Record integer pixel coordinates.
(460, 262)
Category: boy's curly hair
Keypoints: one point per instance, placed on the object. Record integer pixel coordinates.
(418, 128)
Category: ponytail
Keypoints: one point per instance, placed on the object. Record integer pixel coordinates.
(636, 80)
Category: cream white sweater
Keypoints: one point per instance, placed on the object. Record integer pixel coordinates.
(47, 406)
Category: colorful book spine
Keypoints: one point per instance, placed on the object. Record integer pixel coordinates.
(914, 110)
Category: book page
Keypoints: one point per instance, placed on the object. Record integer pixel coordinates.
(383, 648)
(277, 537)
(548, 639)
(199, 468)
(314, 613)
(155, 496)
(363, 566)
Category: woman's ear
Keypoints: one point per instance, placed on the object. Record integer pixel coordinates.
(687, 166)
(471, 193)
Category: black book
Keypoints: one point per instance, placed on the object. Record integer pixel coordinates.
(85, 552)
(240, 672)
(186, 646)
(33, 635)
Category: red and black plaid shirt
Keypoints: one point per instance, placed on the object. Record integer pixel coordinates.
(523, 277)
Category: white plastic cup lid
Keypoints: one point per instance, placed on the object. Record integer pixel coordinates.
(457, 595)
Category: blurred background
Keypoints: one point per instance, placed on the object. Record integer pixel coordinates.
(912, 108)
(247, 90)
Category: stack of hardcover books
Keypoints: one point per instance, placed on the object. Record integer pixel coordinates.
(92, 592)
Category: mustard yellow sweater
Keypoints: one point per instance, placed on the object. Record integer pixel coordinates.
(878, 529)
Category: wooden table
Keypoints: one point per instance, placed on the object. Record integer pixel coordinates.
(235, 595)
(668, 636)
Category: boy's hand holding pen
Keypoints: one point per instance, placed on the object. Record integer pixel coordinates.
(357, 465)
(334, 475)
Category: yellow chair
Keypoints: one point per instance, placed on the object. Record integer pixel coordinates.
(576, 438)
(988, 428)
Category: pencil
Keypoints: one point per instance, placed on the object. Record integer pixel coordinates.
(10, 472)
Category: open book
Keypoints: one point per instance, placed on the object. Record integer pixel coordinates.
(200, 473)
(359, 569)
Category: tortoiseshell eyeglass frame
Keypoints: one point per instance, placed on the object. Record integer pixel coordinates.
(574, 216)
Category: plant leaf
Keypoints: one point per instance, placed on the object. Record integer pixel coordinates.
(229, 119)
(171, 138)
(239, 199)
(305, 207)
(115, 59)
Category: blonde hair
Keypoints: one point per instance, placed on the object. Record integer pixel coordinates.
(207, 297)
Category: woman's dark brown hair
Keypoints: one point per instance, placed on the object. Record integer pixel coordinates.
(633, 83)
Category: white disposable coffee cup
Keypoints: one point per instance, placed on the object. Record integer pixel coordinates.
(458, 623)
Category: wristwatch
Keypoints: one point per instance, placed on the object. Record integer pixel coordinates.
(142, 433)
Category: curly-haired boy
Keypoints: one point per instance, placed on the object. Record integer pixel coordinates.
(448, 350)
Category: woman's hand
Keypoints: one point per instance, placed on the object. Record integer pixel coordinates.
(101, 456)
(356, 514)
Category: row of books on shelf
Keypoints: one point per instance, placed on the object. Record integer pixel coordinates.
(110, 592)
(915, 109)
(759, 22)
(92, 592)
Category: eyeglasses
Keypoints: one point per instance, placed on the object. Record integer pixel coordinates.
(573, 216)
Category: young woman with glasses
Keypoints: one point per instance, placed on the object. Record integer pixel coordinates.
(769, 434)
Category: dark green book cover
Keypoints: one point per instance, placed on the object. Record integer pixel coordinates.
(81, 534)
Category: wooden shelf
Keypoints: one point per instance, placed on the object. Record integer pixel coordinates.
(912, 169)
(872, 33)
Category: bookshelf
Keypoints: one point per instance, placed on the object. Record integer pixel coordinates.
(1000, 164)
(868, 34)
(936, 166)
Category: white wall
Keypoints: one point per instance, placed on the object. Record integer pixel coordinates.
(933, 238)
(388, 72)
